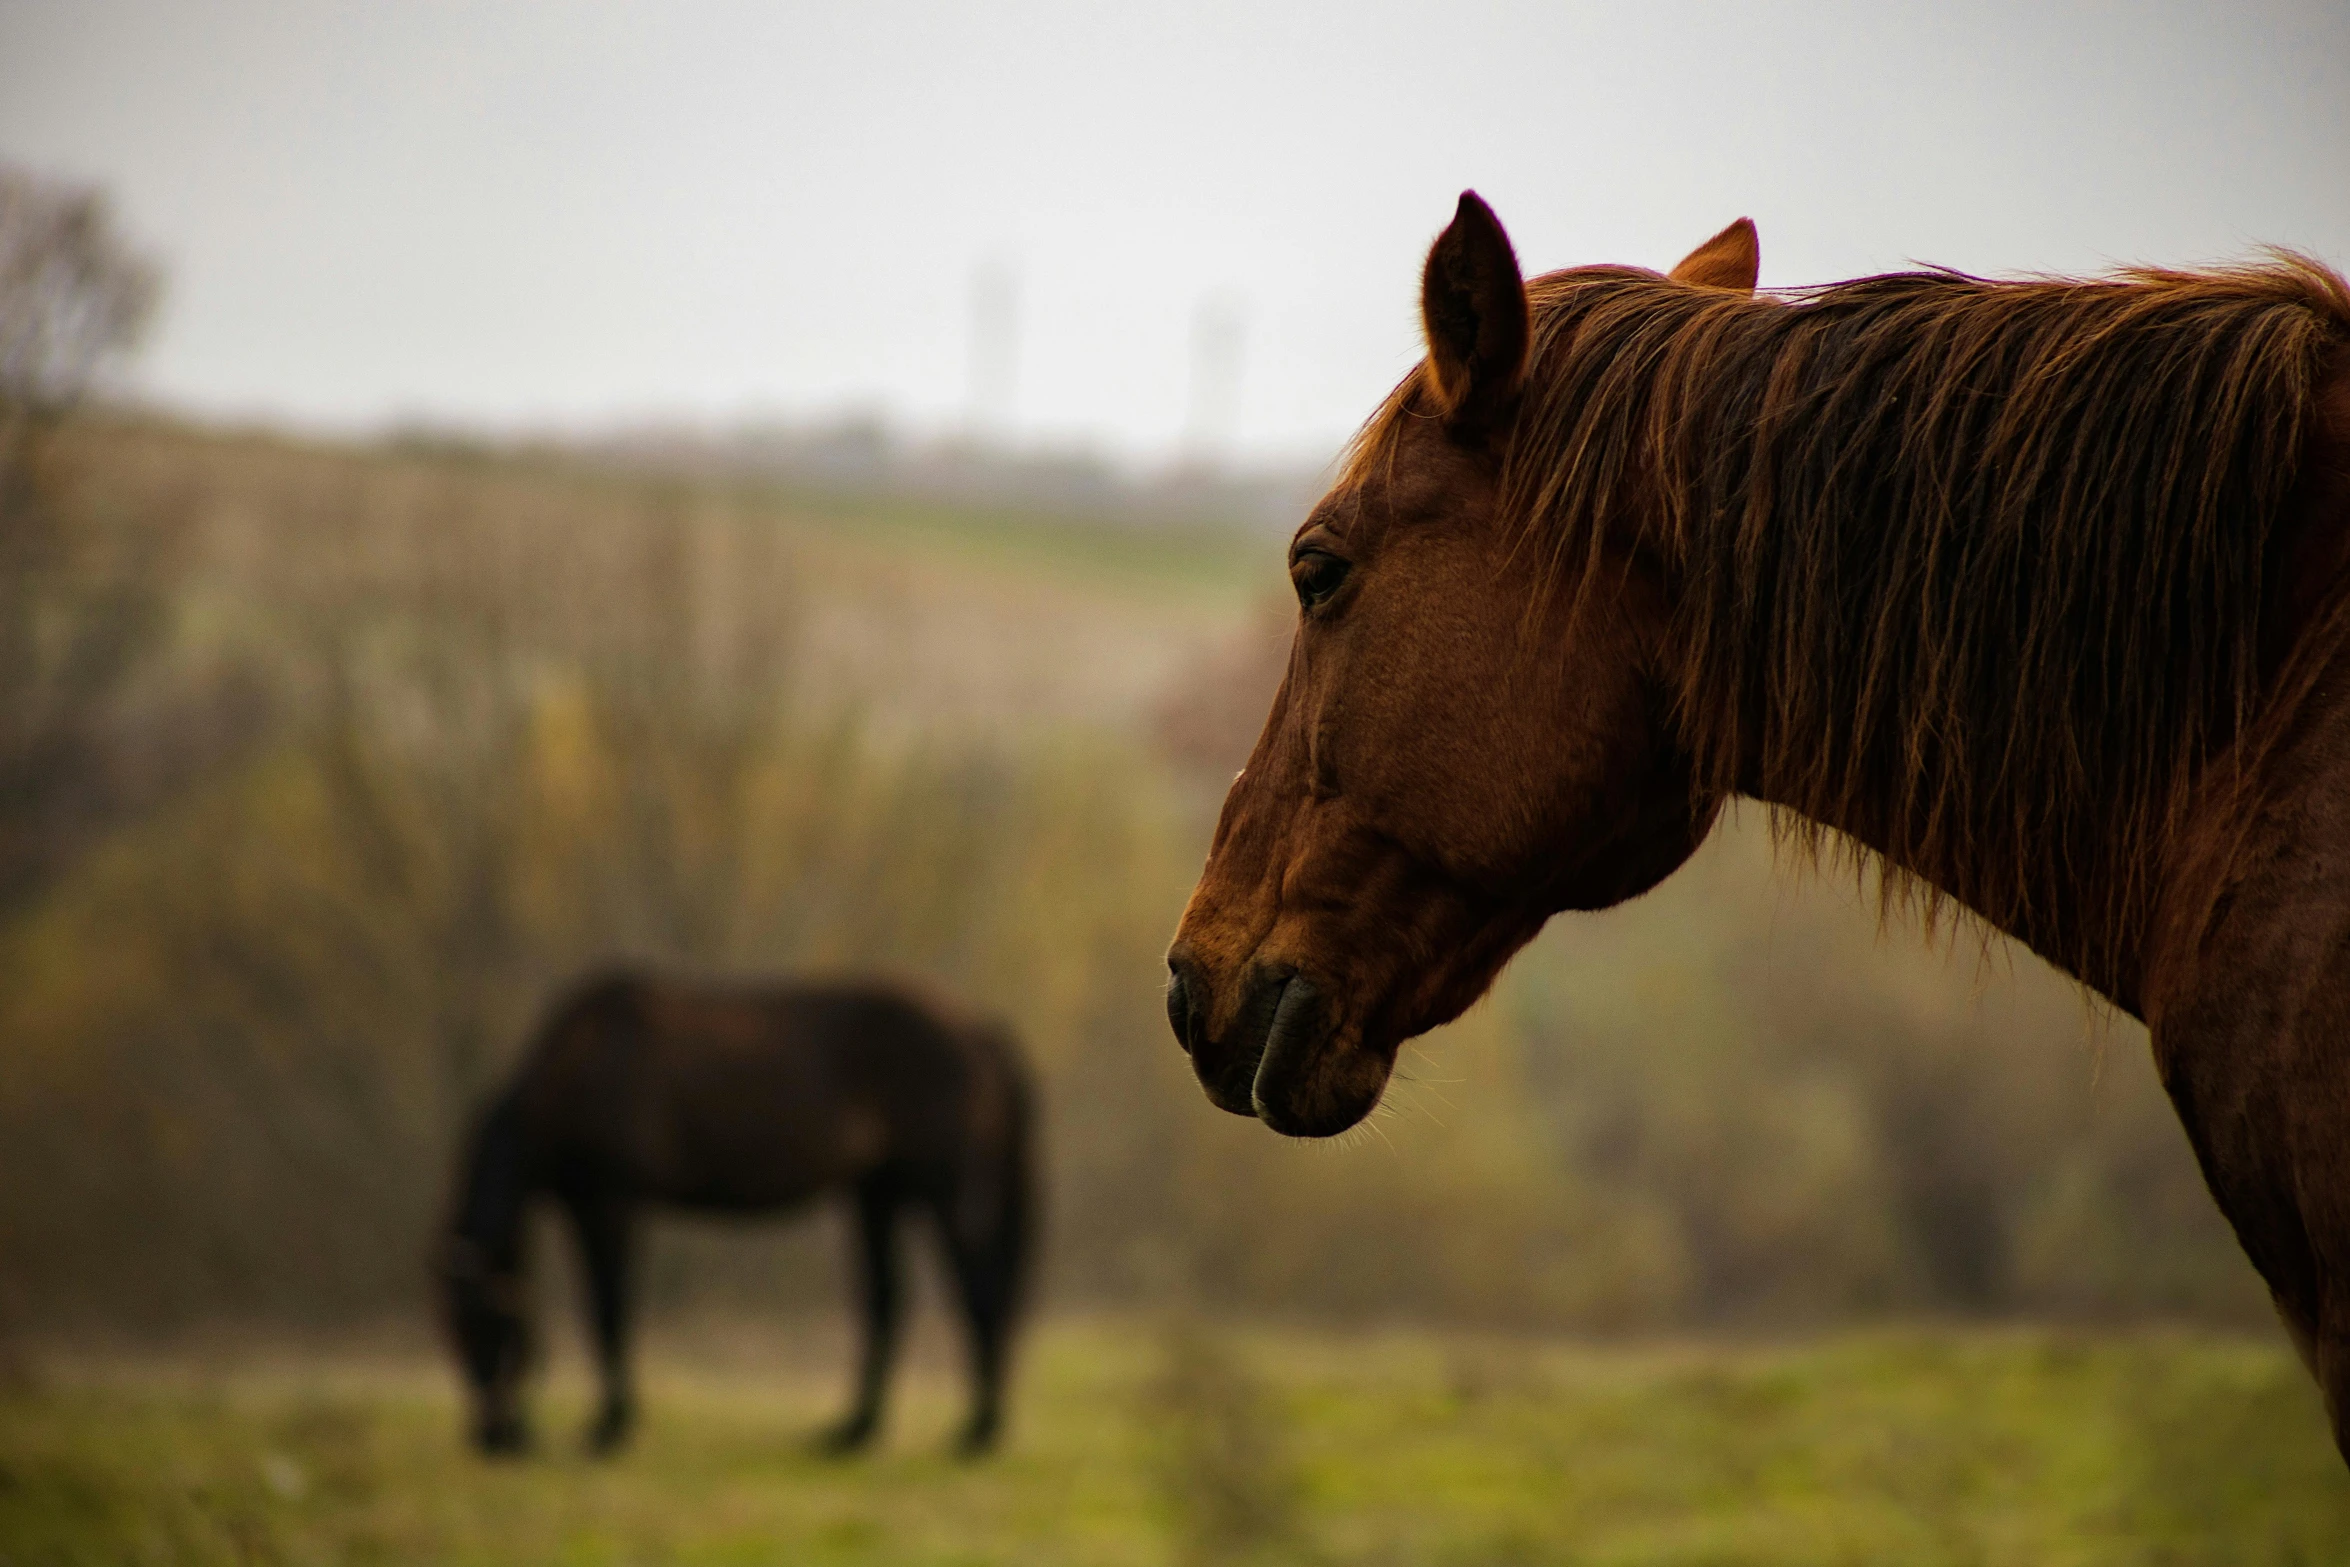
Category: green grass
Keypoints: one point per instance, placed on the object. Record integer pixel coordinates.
(1134, 1446)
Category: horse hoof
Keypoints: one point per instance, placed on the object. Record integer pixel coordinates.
(606, 1438)
(845, 1440)
(505, 1439)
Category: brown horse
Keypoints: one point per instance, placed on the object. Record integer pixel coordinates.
(2036, 591)
(743, 1100)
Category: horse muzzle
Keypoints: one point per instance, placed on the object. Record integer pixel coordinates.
(1284, 1057)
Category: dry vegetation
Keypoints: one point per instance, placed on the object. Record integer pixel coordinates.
(416, 736)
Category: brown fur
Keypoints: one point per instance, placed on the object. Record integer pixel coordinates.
(2034, 589)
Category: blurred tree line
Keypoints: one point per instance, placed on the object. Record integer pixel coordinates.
(326, 768)
(77, 603)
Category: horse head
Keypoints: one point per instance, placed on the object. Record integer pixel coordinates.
(485, 1312)
(1466, 741)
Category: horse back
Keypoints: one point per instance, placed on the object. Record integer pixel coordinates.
(748, 1097)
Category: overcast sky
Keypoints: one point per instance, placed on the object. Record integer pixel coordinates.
(575, 213)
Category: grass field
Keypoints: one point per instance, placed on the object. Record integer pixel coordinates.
(1141, 1445)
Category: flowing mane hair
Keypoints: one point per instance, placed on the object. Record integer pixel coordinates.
(1980, 565)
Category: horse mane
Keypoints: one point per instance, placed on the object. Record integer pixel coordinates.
(1979, 566)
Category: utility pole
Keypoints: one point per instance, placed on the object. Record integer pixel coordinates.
(1219, 339)
(995, 352)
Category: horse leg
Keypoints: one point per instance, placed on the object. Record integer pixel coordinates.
(600, 1221)
(882, 1299)
(980, 1233)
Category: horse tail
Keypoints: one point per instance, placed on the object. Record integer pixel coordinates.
(1016, 1242)
(993, 1210)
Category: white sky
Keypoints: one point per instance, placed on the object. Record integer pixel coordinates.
(578, 212)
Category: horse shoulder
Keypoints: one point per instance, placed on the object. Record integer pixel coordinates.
(581, 1072)
(2247, 998)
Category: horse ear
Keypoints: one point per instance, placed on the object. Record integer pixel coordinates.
(1731, 259)
(1473, 308)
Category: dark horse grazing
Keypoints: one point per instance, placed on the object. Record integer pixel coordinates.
(2037, 590)
(743, 1100)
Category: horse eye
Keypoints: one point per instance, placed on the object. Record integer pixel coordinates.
(1316, 574)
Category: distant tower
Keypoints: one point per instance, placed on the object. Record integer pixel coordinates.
(995, 351)
(1218, 339)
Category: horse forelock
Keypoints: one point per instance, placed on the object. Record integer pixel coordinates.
(1979, 563)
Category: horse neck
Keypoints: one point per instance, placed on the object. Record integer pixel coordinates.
(2088, 901)
(2088, 928)
(496, 1187)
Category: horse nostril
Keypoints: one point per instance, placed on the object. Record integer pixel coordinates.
(1178, 1009)
(1179, 999)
